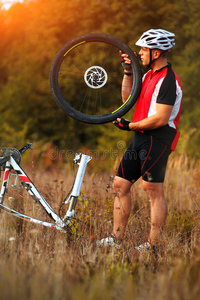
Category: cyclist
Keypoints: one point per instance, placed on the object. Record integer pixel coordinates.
(155, 122)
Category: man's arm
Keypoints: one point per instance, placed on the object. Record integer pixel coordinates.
(127, 79)
(126, 86)
(160, 118)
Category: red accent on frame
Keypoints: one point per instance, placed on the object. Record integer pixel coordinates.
(6, 175)
(24, 178)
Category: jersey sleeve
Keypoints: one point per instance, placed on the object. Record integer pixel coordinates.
(167, 92)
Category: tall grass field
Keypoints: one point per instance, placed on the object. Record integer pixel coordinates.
(39, 263)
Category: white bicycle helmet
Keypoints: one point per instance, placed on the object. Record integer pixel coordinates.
(157, 39)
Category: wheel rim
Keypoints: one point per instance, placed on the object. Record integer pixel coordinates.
(87, 77)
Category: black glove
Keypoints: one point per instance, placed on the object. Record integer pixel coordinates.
(126, 66)
(123, 124)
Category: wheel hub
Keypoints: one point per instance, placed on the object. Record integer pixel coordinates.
(95, 77)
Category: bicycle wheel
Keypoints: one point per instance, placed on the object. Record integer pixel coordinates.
(86, 76)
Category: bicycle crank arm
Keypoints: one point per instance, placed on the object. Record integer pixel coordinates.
(26, 147)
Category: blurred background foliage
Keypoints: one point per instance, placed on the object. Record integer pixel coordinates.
(33, 31)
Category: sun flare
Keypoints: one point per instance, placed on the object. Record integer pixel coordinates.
(6, 4)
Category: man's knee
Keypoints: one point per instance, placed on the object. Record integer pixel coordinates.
(148, 186)
(152, 189)
(121, 185)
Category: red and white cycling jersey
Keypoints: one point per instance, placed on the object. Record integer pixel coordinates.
(164, 87)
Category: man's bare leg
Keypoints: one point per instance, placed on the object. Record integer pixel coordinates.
(122, 206)
(158, 209)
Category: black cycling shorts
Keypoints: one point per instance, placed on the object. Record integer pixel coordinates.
(147, 157)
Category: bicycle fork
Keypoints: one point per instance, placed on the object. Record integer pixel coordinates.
(82, 160)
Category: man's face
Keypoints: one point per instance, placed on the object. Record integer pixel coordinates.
(145, 55)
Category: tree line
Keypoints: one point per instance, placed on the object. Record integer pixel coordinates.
(33, 31)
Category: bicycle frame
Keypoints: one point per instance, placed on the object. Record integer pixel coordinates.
(59, 223)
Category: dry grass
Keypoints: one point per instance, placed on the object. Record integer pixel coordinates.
(38, 263)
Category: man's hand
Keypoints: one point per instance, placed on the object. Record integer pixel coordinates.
(126, 62)
(122, 124)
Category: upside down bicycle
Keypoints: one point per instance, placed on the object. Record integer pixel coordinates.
(15, 178)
